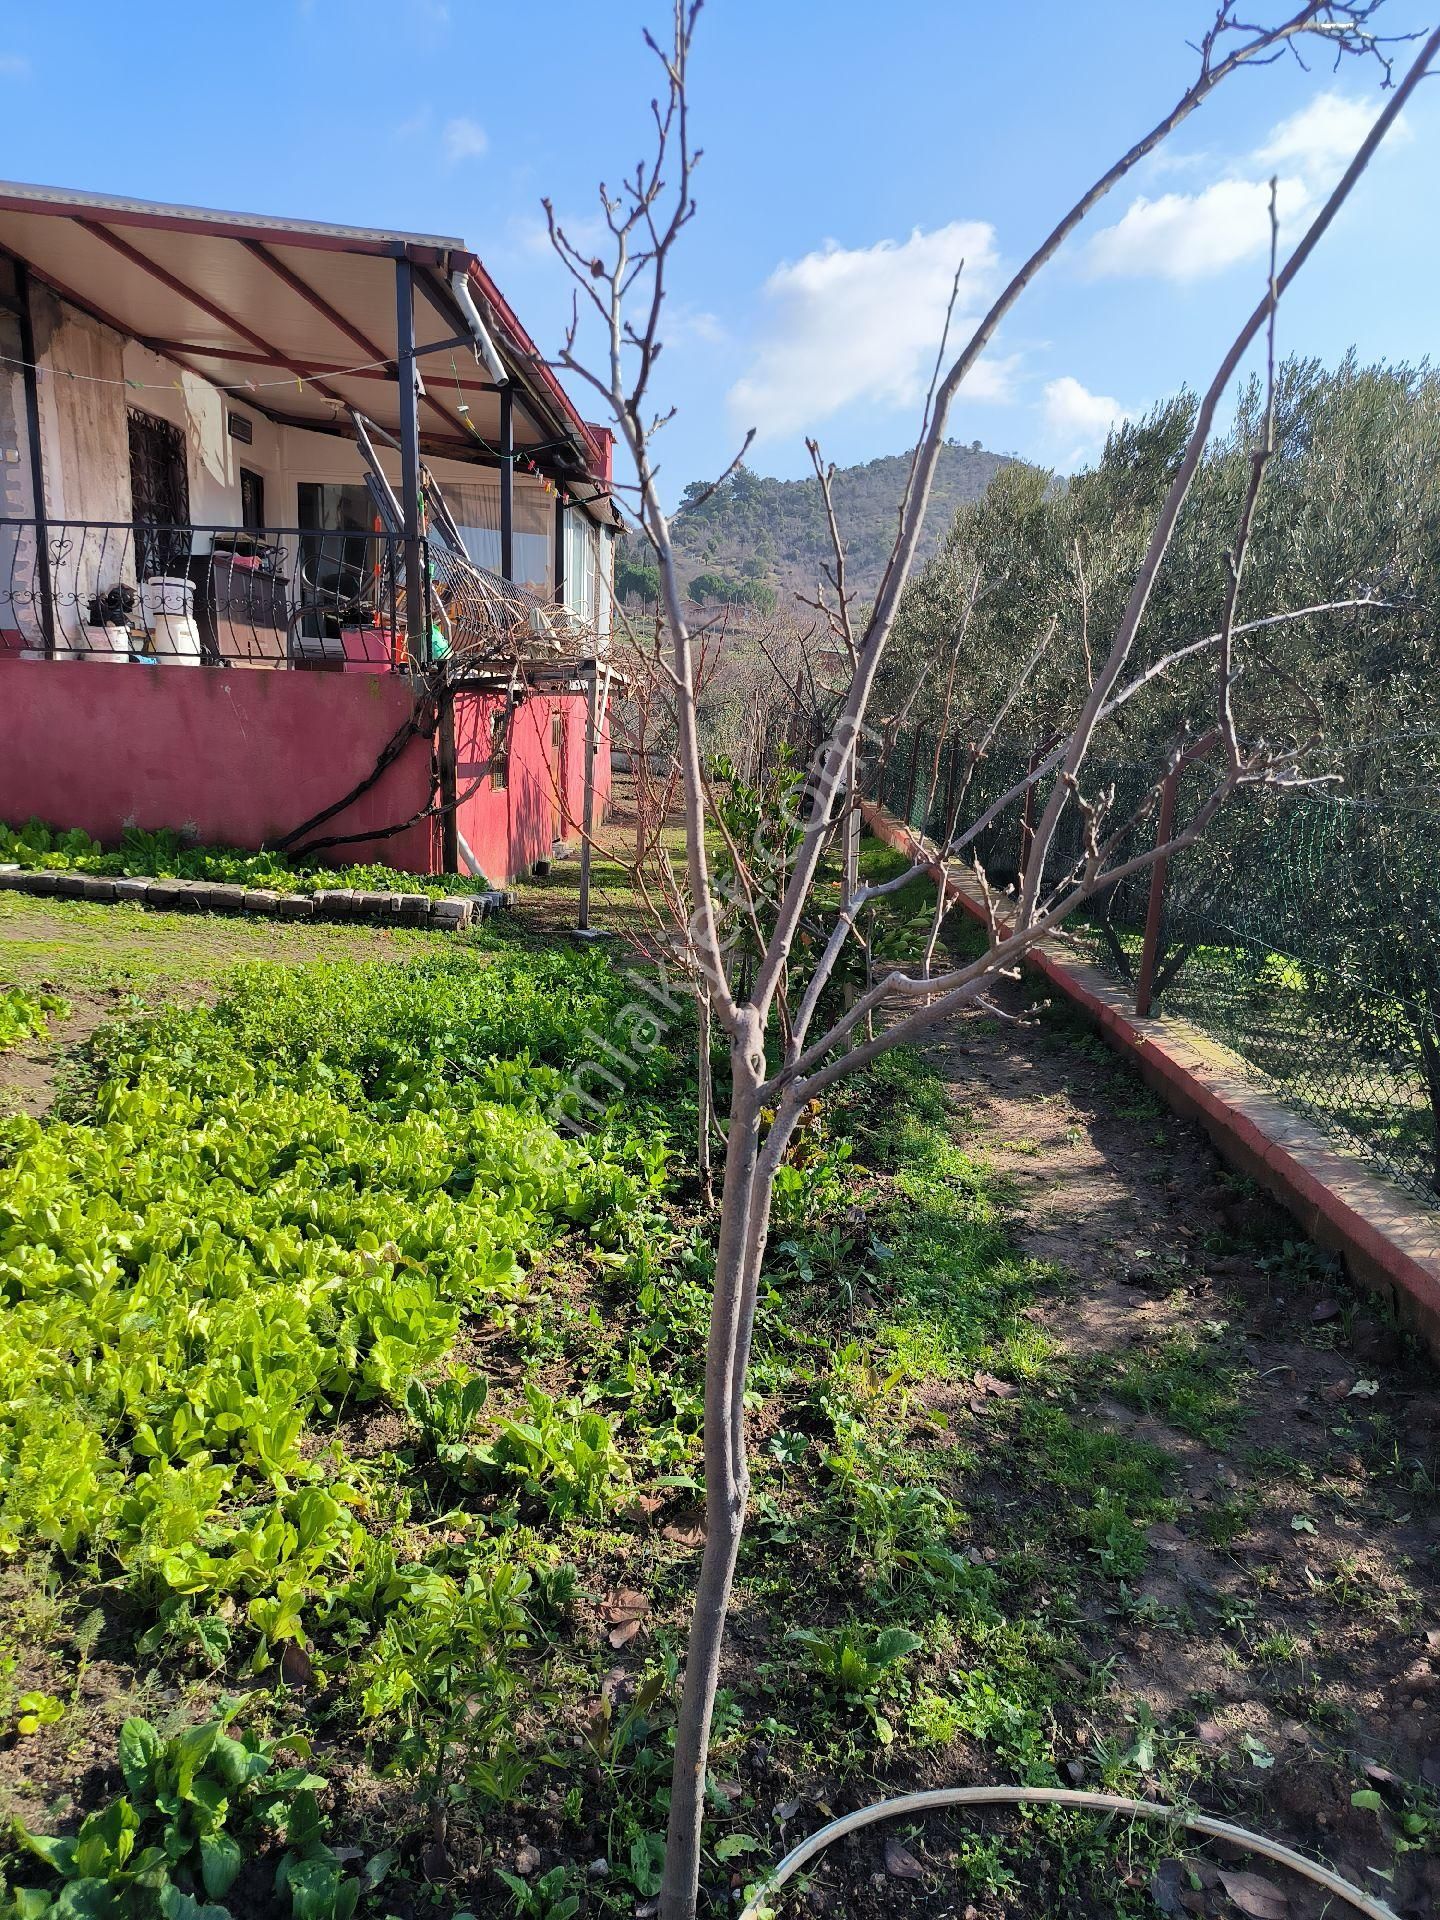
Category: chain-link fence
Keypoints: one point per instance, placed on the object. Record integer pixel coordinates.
(1303, 930)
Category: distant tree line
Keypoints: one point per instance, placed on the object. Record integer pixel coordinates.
(1350, 506)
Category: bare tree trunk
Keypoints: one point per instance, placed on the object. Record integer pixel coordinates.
(705, 1087)
(645, 220)
(744, 1208)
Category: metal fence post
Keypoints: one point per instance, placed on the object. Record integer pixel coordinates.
(447, 770)
(417, 585)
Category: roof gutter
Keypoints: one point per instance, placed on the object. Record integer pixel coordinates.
(465, 300)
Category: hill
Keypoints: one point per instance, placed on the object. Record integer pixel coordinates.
(755, 536)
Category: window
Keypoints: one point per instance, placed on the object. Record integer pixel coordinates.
(160, 493)
(500, 749)
(579, 564)
(252, 499)
(475, 504)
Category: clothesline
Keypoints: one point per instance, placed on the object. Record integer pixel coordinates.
(43, 372)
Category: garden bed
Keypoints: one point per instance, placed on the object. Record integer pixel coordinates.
(1044, 1475)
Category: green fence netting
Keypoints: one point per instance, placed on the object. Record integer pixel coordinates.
(1303, 930)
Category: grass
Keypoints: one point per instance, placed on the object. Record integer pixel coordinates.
(168, 854)
(100, 948)
(458, 1513)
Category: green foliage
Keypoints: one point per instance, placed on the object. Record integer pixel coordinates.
(1350, 505)
(561, 1455)
(243, 1189)
(854, 1660)
(547, 1898)
(25, 1015)
(37, 1710)
(725, 589)
(195, 1807)
(399, 1038)
(752, 521)
(637, 580)
(447, 1411)
(167, 854)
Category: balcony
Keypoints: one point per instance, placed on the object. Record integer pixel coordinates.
(267, 598)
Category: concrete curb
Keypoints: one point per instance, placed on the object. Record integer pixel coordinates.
(1389, 1244)
(451, 914)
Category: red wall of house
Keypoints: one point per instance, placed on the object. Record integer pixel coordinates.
(239, 756)
(509, 828)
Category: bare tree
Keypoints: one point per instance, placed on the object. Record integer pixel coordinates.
(779, 1062)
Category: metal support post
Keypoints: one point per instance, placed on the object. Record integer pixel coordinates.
(416, 585)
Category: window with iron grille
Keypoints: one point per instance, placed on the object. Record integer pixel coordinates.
(160, 495)
(500, 749)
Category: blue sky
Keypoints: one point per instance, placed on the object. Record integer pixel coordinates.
(852, 153)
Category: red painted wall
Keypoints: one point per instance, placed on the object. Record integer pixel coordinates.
(239, 756)
(508, 829)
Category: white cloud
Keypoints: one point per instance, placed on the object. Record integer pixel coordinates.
(1190, 236)
(694, 324)
(1077, 420)
(862, 324)
(1319, 140)
(463, 139)
(14, 66)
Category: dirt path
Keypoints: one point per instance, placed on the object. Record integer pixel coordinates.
(1287, 1623)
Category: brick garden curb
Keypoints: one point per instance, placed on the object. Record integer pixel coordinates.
(451, 914)
(1388, 1243)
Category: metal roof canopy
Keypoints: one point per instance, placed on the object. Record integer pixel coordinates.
(246, 300)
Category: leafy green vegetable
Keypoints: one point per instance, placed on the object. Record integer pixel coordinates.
(166, 854)
(27, 1016)
(268, 1210)
(173, 1845)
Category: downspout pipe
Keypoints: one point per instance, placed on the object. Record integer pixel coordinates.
(465, 300)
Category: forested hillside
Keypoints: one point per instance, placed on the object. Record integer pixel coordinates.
(757, 540)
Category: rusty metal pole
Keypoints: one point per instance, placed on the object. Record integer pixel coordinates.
(446, 767)
(1155, 910)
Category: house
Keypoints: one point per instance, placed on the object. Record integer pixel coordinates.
(318, 494)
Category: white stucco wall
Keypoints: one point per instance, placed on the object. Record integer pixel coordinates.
(83, 437)
(213, 457)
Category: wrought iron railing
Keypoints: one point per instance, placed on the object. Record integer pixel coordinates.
(272, 597)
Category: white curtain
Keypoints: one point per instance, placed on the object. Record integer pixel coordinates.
(475, 504)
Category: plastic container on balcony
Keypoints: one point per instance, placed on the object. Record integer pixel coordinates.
(176, 640)
(108, 643)
(166, 593)
(168, 604)
(372, 649)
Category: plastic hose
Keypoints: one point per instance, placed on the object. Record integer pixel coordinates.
(1063, 1797)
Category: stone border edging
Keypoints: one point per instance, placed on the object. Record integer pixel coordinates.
(1388, 1243)
(451, 914)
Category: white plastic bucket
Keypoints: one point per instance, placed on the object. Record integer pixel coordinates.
(110, 643)
(175, 639)
(167, 593)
